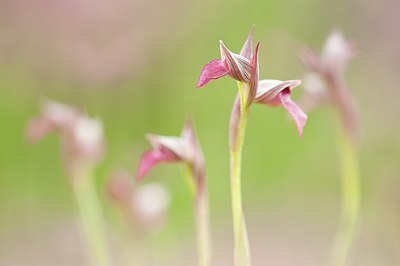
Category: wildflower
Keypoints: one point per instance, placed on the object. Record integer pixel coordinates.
(82, 148)
(174, 149)
(81, 137)
(245, 69)
(325, 82)
(185, 149)
(269, 92)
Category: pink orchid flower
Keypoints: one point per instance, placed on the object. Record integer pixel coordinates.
(270, 92)
(167, 149)
(325, 83)
(326, 69)
(238, 66)
(185, 149)
(81, 137)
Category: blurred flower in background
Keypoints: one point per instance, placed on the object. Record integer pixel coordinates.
(145, 206)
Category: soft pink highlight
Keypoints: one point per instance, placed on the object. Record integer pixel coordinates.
(151, 158)
(215, 69)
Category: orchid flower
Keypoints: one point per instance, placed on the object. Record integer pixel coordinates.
(185, 149)
(326, 84)
(244, 68)
(145, 205)
(81, 137)
(82, 148)
(325, 81)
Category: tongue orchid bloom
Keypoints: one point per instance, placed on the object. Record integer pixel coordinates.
(168, 149)
(244, 67)
(185, 149)
(81, 136)
(325, 83)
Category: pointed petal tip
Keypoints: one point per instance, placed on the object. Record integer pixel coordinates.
(214, 69)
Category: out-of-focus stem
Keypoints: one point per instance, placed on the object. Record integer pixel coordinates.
(91, 216)
(203, 228)
(350, 173)
(202, 219)
(241, 245)
(350, 201)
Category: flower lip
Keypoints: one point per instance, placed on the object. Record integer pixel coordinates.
(269, 89)
(214, 69)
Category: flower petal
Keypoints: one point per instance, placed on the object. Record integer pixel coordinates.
(269, 89)
(247, 49)
(337, 51)
(215, 69)
(152, 158)
(299, 117)
(254, 77)
(175, 145)
(238, 65)
(38, 128)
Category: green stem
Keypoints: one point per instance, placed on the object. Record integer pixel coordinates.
(350, 202)
(203, 229)
(91, 216)
(241, 245)
(202, 216)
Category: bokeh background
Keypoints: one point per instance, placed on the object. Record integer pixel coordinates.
(134, 64)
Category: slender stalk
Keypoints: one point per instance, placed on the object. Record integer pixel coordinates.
(241, 245)
(91, 217)
(203, 228)
(202, 217)
(350, 202)
(350, 182)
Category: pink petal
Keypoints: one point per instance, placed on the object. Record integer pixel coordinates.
(215, 69)
(38, 128)
(152, 158)
(247, 49)
(238, 65)
(254, 76)
(294, 110)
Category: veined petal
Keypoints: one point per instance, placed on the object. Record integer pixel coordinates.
(215, 69)
(247, 49)
(254, 77)
(239, 66)
(175, 145)
(152, 158)
(269, 89)
(299, 117)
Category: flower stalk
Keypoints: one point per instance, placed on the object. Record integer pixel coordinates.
(350, 202)
(350, 179)
(326, 84)
(242, 255)
(202, 220)
(91, 216)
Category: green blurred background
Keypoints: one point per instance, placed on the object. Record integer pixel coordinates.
(134, 64)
